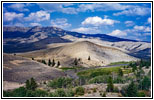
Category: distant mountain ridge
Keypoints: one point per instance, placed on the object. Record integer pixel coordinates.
(25, 39)
(28, 31)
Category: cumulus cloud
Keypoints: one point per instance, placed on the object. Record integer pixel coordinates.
(60, 22)
(97, 21)
(18, 7)
(129, 23)
(9, 16)
(38, 16)
(35, 24)
(87, 30)
(64, 8)
(118, 33)
(102, 7)
(142, 28)
(141, 11)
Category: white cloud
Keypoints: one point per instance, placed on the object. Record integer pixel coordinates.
(9, 16)
(142, 28)
(129, 23)
(118, 33)
(102, 7)
(89, 30)
(141, 11)
(35, 24)
(52, 7)
(97, 21)
(60, 22)
(38, 16)
(149, 20)
(19, 7)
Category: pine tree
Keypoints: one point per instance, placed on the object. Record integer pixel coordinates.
(43, 61)
(28, 85)
(53, 63)
(49, 62)
(89, 58)
(75, 61)
(131, 90)
(33, 84)
(110, 86)
(120, 72)
(58, 64)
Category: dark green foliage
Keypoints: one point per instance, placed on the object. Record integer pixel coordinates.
(30, 93)
(31, 84)
(120, 72)
(140, 94)
(7, 94)
(79, 91)
(58, 64)
(49, 62)
(110, 86)
(144, 63)
(82, 80)
(104, 94)
(19, 92)
(61, 82)
(60, 93)
(44, 62)
(53, 63)
(28, 85)
(76, 62)
(89, 58)
(40, 93)
(131, 91)
(145, 83)
(99, 79)
(70, 93)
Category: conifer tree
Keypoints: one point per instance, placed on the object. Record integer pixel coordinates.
(89, 58)
(53, 63)
(49, 62)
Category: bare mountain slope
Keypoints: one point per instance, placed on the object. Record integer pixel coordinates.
(19, 69)
(100, 55)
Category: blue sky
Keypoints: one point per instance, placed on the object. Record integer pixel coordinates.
(125, 20)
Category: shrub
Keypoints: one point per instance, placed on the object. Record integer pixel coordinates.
(94, 89)
(104, 94)
(70, 93)
(31, 84)
(99, 79)
(141, 94)
(120, 72)
(19, 92)
(145, 83)
(40, 93)
(79, 91)
(110, 86)
(60, 93)
(131, 90)
(61, 82)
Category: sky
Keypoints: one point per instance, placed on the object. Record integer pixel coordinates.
(124, 20)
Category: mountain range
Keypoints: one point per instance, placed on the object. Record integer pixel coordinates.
(26, 39)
